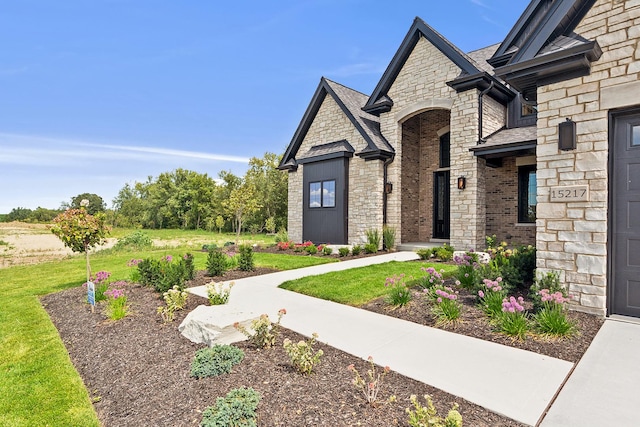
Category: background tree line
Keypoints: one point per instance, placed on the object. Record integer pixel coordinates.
(190, 200)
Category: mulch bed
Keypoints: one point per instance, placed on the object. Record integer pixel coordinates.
(474, 323)
(137, 373)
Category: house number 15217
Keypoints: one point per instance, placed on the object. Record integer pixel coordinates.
(577, 193)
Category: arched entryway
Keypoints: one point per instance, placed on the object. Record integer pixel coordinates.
(425, 178)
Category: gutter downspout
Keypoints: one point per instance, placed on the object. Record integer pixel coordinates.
(385, 175)
(480, 103)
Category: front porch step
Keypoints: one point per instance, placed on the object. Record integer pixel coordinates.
(414, 246)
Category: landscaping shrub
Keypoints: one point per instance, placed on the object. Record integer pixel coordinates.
(549, 281)
(388, 237)
(282, 236)
(175, 299)
(134, 241)
(216, 263)
(356, 249)
(218, 293)
(370, 248)
(519, 268)
(245, 258)
(236, 409)
(373, 238)
(301, 354)
(165, 274)
(343, 251)
(326, 250)
(422, 416)
(264, 331)
(425, 253)
(209, 247)
(216, 360)
(444, 253)
(311, 249)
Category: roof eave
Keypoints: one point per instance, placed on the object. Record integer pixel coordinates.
(375, 154)
(554, 67)
(503, 150)
(482, 81)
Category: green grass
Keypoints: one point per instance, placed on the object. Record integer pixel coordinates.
(199, 235)
(39, 385)
(359, 285)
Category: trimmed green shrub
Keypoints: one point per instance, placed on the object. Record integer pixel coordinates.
(371, 248)
(165, 274)
(245, 258)
(311, 249)
(425, 253)
(356, 249)
(326, 250)
(216, 262)
(282, 236)
(216, 360)
(236, 409)
(444, 253)
(344, 251)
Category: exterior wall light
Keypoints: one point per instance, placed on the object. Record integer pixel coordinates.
(567, 135)
(462, 183)
(388, 188)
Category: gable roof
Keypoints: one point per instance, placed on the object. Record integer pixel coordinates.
(542, 47)
(469, 65)
(351, 103)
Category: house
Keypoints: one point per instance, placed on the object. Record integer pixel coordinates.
(535, 139)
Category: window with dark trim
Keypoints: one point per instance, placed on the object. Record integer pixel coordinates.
(322, 194)
(445, 150)
(527, 192)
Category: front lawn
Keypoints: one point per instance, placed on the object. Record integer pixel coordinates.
(358, 286)
(35, 370)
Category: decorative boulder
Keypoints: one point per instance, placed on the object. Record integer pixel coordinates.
(214, 324)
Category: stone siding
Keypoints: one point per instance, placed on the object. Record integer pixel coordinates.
(572, 237)
(365, 178)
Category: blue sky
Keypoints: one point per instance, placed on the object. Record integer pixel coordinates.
(98, 93)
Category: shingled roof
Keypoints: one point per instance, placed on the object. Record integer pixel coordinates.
(350, 102)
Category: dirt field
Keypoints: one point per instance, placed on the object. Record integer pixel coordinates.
(22, 243)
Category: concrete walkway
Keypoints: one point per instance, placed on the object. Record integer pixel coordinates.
(604, 389)
(512, 382)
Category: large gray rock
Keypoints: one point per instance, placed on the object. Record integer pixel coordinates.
(214, 324)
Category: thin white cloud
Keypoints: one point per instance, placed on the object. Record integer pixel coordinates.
(480, 3)
(42, 151)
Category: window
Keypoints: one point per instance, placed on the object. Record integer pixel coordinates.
(322, 194)
(635, 136)
(445, 150)
(527, 192)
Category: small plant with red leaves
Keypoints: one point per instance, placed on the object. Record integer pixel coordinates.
(370, 387)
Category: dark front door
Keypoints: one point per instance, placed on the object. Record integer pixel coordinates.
(441, 205)
(625, 279)
(324, 214)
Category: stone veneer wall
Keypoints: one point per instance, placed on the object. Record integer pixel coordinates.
(572, 237)
(365, 178)
(502, 205)
(421, 86)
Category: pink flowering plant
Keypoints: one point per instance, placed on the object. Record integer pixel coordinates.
(552, 318)
(513, 321)
(101, 282)
(444, 304)
(431, 278)
(467, 272)
(117, 307)
(490, 297)
(370, 384)
(398, 292)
